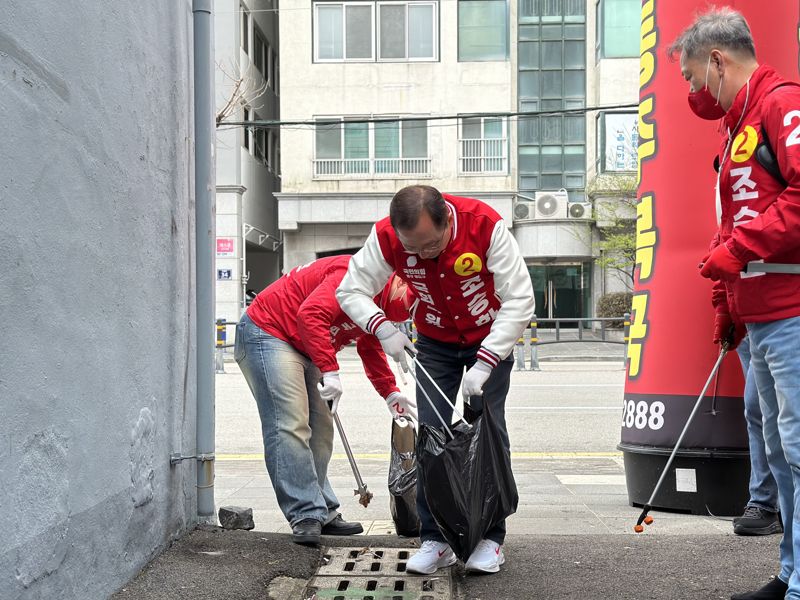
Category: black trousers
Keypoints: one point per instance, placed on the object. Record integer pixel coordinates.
(446, 363)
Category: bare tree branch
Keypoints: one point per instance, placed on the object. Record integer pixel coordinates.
(245, 91)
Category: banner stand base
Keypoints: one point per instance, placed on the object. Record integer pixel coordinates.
(700, 482)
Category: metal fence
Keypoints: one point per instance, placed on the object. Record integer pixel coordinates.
(595, 329)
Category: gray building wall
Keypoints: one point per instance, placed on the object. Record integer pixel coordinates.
(96, 286)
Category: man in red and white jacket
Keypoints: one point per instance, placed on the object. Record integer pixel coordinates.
(474, 299)
(286, 343)
(759, 222)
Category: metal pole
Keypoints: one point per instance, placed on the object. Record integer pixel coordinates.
(520, 358)
(204, 189)
(219, 357)
(534, 345)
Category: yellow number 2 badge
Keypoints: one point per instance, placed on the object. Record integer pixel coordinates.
(468, 264)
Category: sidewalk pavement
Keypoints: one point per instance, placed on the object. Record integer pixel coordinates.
(213, 564)
(571, 538)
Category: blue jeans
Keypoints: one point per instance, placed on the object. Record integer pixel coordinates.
(763, 489)
(775, 361)
(446, 364)
(296, 425)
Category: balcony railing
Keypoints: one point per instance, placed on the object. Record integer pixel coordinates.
(371, 168)
(483, 156)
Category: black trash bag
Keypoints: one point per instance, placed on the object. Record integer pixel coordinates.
(467, 481)
(403, 481)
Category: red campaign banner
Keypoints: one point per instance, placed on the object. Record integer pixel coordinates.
(670, 354)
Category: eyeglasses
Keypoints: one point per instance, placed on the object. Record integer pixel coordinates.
(428, 248)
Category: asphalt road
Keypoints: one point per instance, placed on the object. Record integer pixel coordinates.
(565, 407)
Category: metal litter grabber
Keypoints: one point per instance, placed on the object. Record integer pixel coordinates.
(644, 517)
(464, 473)
(361, 490)
(445, 425)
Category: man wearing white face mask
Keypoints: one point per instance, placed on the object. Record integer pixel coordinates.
(758, 202)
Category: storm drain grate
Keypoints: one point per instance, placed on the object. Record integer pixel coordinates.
(374, 574)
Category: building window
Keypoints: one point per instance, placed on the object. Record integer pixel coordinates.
(618, 28)
(552, 77)
(260, 142)
(407, 31)
(344, 31)
(617, 141)
(246, 130)
(260, 52)
(552, 152)
(379, 149)
(483, 146)
(404, 31)
(482, 30)
(532, 11)
(274, 74)
(245, 34)
(276, 153)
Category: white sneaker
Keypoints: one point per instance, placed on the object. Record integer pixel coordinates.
(430, 557)
(486, 558)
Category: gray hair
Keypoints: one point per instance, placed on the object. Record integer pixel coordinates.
(408, 204)
(723, 28)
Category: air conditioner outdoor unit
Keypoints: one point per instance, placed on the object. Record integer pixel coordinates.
(580, 210)
(551, 205)
(524, 210)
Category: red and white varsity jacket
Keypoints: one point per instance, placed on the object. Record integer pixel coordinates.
(477, 291)
(760, 217)
(301, 309)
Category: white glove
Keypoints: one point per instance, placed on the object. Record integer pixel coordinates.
(330, 390)
(401, 407)
(472, 384)
(394, 343)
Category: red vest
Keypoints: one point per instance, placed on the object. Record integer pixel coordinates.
(457, 301)
(760, 217)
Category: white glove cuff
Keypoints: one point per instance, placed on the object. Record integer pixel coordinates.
(385, 330)
(482, 366)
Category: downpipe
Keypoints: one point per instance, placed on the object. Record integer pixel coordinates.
(205, 209)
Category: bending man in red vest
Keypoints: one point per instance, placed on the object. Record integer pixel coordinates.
(286, 343)
(474, 300)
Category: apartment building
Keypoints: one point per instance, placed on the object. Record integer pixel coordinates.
(379, 94)
(248, 253)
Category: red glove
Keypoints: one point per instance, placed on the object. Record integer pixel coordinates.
(721, 264)
(727, 331)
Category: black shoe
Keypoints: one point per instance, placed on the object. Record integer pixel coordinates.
(341, 527)
(774, 590)
(757, 521)
(306, 532)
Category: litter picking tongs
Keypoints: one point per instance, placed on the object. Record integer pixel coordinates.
(644, 517)
(415, 362)
(362, 491)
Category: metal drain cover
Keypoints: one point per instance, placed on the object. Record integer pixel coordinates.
(374, 574)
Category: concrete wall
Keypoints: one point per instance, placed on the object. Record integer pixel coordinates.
(96, 283)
